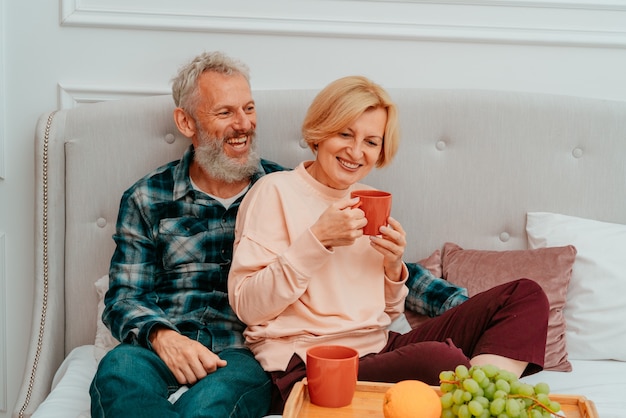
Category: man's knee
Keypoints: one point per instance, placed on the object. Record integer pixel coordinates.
(120, 358)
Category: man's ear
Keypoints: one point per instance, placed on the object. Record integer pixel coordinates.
(184, 122)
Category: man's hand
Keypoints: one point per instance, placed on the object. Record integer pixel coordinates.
(188, 360)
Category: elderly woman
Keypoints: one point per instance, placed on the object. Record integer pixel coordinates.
(304, 274)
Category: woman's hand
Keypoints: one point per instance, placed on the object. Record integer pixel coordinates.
(340, 224)
(391, 244)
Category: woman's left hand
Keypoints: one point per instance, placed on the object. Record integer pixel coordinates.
(391, 244)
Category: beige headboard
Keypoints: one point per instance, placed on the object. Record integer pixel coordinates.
(471, 164)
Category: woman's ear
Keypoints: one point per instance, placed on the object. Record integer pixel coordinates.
(184, 122)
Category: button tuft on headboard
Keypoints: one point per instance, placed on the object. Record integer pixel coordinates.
(170, 138)
(577, 152)
(441, 145)
(101, 222)
(505, 236)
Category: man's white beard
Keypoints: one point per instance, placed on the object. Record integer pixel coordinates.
(216, 163)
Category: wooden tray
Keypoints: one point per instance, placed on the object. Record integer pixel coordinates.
(368, 402)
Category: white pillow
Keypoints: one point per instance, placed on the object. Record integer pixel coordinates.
(595, 310)
(104, 340)
(69, 394)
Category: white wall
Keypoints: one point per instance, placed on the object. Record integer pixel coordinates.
(64, 52)
(3, 312)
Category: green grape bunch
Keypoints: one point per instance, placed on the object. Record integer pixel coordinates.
(487, 391)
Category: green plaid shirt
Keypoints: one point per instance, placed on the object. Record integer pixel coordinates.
(173, 252)
(429, 295)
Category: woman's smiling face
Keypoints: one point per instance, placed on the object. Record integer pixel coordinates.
(349, 156)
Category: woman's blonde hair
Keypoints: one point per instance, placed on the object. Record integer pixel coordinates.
(342, 102)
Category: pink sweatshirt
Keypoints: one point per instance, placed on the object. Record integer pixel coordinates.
(290, 290)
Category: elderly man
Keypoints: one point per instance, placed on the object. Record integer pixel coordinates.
(167, 300)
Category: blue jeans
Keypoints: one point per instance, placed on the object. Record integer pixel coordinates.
(133, 381)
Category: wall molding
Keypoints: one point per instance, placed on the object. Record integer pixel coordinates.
(3, 316)
(2, 93)
(73, 96)
(551, 22)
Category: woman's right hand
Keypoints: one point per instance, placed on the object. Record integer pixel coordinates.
(340, 225)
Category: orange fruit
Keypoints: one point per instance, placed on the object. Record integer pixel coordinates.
(411, 399)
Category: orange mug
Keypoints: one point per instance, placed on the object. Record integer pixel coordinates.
(377, 207)
(331, 372)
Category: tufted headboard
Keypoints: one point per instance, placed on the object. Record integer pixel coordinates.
(470, 165)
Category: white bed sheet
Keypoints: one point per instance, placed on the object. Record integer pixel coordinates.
(603, 382)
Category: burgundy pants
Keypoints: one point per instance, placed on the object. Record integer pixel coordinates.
(510, 320)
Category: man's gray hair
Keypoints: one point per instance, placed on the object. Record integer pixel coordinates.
(184, 85)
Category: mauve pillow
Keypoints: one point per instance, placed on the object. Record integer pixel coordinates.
(432, 263)
(551, 268)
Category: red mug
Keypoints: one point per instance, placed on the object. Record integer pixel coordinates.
(377, 207)
(331, 372)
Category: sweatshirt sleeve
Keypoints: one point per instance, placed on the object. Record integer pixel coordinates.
(270, 270)
(395, 294)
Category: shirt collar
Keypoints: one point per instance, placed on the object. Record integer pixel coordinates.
(182, 181)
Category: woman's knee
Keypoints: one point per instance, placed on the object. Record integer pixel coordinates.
(533, 292)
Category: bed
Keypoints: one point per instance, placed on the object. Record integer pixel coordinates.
(490, 185)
